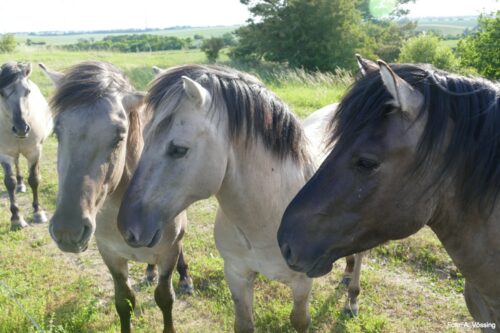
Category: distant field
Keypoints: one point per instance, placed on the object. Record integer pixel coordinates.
(446, 25)
(181, 33)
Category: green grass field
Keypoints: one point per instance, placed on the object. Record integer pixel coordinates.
(446, 25)
(71, 39)
(407, 286)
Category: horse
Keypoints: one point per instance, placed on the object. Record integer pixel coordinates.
(99, 132)
(25, 122)
(412, 146)
(218, 131)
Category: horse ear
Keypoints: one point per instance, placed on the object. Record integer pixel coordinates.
(405, 96)
(55, 77)
(366, 66)
(195, 91)
(26, 67)
(131, 102)
(157, 70)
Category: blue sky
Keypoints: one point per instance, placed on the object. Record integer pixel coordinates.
(65, 15)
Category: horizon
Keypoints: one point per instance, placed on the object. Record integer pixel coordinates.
(59, 16)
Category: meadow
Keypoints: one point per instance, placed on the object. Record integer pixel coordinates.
(407, 286)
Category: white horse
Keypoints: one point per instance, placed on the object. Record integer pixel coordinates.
(25, 122)
(217, 131)
(99, 130)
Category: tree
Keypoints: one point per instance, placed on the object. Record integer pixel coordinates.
(429, 50)
(480, 50)
(313, 34)
(211, 47)
(7, 43)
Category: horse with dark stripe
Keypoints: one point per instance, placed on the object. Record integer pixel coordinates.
(99, 131)
(412, 146)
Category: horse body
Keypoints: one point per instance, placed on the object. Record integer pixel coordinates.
(25, 122)
(413, 147)
(99, 130)
(201, 142)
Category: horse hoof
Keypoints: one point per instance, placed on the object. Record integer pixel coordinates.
(40, 217)
(350, 312)
(346, 280)
(18, 224)
(186, 286)
(21, 188)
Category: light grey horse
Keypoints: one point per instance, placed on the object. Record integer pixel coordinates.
(25, 122)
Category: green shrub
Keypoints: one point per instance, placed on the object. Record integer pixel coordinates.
(428, 49)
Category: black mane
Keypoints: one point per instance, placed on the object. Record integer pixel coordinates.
(472, 157)
(252, 110)
(10, 72)
(87, 82)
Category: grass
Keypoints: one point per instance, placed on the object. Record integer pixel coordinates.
(407, 286)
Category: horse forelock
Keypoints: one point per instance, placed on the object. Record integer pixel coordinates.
(10, 72)
(252, 111)
(472, 156)
(86, 83)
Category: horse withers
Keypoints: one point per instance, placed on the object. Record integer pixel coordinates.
(412, 146)
(99, 131)
(25, 122)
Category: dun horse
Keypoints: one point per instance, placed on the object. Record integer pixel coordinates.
(413, 146)
(218, 131)
(99, 130)
(25, 122)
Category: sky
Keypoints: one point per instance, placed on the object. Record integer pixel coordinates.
(86, 15)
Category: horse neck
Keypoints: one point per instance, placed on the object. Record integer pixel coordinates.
(472, 241)
(258, 186)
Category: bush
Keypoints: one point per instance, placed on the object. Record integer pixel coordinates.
(211, 47)
(7, 43)
(428, 49)
(480, 50)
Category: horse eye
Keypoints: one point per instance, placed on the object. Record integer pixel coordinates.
(119, 139)
(366, 164)
(177, 151)
(27, 92)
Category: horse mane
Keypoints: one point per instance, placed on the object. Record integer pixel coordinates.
(471, 105)
(87, 82)
(10, 72)
(252, 110)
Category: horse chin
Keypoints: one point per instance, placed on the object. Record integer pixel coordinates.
(73, 248)
(322, 266)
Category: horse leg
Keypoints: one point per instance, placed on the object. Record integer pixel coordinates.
(349, 267)
(164, 292)
(241, 286)
(300, 317)
(39, 215)
(124, 295)
(185, 281)
(16, 221)
(151, 273)
(351, 307)
(478, 307)
(20, 188)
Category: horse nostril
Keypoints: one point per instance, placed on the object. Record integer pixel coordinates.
(14, 129)
(286, 251)
(130, 237)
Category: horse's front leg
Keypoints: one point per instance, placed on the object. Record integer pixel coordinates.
(185, 281)
(351, 307)
(241, 283)
(164, 292)
(300, 317)
(124, 295)
(20, 188)
(34, 178)
(16, 221)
